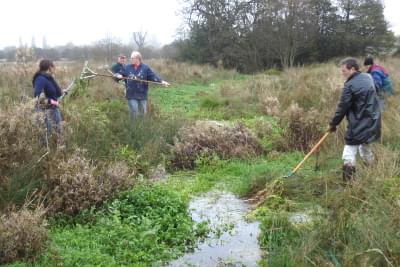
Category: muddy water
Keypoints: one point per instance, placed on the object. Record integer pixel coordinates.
(235, 247)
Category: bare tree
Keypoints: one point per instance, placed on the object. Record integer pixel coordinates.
(107, 47)
(139, 38)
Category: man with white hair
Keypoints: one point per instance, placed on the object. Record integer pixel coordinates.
(136, 91)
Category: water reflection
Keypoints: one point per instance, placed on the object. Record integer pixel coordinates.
(236, 246)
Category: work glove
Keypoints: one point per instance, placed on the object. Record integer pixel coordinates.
(332, 128)
(53, 103)
(118, 76)
(164, 83)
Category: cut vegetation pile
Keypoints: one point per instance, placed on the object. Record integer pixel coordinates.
(209, 138)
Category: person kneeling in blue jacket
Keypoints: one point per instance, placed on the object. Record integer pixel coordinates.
(136, 91)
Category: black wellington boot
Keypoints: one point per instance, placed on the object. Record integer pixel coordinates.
(349, 172)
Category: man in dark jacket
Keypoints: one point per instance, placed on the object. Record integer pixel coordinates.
(136, 91)
(119, 66)
(359, 103)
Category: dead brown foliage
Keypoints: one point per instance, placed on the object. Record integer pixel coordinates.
(213, 138)
(22, 234)
(19, 135)
(270, 105)
(75, 183)
(302, 129)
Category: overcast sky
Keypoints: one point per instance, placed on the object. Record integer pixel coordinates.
(86, 21)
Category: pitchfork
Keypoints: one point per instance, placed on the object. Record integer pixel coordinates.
(88, 73)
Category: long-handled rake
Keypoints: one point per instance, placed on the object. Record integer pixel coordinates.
(316, 146)
(88, 73)
(66, 90)
(261, 195)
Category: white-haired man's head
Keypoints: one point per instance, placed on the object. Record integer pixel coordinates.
(136, 58)
(137, 55)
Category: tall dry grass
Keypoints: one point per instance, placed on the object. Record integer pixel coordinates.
(181, 72)
(359, 222)
(20, 129)
(302, 100)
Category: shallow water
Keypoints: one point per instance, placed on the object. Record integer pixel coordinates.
(236, 247)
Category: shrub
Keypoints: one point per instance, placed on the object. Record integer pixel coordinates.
(19, 135)
(301, 129)
(118, 176)
(211, 138)
(74, 185)
(270, 105)
(22, 234)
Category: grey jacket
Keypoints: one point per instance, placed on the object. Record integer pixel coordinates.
(359, 103)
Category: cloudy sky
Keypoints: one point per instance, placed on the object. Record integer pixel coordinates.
(85, 21)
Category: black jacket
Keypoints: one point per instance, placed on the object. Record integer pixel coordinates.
(359, 103)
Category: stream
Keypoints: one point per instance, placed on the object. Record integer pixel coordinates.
(233, 241)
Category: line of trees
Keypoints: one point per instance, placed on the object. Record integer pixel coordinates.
(106, 50)
(250, 35)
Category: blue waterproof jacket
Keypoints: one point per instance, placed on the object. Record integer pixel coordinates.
(43, 82)
(136, 89)
(378, 75)
(381, 79)
(359, 103)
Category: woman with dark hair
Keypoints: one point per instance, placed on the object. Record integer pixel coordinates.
(43, 82)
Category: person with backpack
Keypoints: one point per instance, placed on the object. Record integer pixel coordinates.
(359, 103)
(380, 75)
(43, 82)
